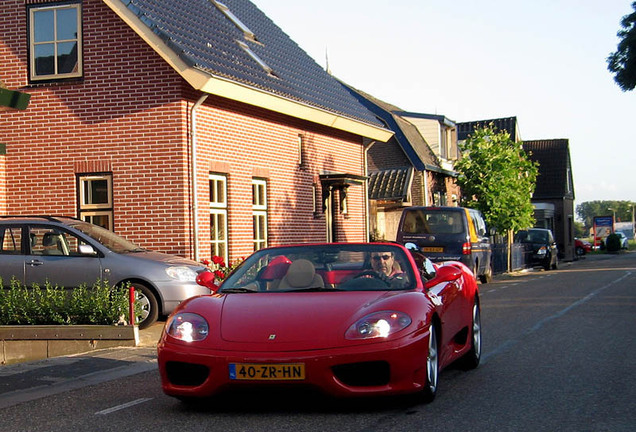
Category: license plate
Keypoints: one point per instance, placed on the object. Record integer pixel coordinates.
(267, 372)
(432, 249)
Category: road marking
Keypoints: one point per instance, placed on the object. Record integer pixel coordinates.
(512, 342)
(123, 406)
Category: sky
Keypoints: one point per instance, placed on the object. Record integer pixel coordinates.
(543, 61)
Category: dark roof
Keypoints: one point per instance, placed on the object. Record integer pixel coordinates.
(508, 124)
(390, 184)
(406, 133)
(555, 174)
(205, 38)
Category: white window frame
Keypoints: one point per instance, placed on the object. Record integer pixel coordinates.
(301, 150)
(218, 211)
(78, 70)
(89, 210)
(259, 213)
(249, 34)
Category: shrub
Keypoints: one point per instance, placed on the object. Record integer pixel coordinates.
(99, 304)
(613, 243)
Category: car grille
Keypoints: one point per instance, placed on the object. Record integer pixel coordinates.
(186, 374)
(364, 374)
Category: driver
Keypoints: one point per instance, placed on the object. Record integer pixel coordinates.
(390, 271)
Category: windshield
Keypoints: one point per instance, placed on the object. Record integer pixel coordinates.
(107, 238)
(326, 267)
(533, 236)
(424, 221)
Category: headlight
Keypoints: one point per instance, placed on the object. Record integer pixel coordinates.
(378, 325)
(542, 250)
(188, 327)
(182, 273)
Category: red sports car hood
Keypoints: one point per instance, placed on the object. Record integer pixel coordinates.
(308, 319)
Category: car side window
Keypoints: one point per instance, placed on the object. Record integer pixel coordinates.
(11, 240)
(45, 240)
(52, 241)
(479, 224)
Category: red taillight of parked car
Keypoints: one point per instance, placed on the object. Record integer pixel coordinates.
(466, 248)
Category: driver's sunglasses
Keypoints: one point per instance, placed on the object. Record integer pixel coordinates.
(384, 257)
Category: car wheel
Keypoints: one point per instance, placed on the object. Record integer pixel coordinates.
(547, 263)
(432, 366)
(580, 251)
(473, 356)
(146, 306)
(487, 277)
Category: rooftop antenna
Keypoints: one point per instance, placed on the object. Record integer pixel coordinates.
(327, 68)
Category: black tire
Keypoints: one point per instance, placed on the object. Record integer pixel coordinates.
(473, 356)
(547, 264)
(146, 306)
(432, 366)
(486, 277)
(580, 251)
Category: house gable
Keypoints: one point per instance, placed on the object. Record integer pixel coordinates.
(261, 67)
(554, 180)
(507, 124)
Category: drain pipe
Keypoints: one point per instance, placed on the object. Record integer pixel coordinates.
(367, 223)
(195, 198)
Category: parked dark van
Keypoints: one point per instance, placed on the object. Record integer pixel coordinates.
(449, 233)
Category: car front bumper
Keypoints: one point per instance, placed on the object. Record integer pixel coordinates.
(174, 292)
(384, 368)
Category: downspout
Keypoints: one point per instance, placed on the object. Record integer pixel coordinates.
(195, 198)
(366, 188)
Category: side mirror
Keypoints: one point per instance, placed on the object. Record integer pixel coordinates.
(425, 265)
(86, 249)
(445, 273)
(206, 279)
(428, 270)
(412, 247)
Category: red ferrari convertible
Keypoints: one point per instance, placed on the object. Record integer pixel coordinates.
(352, 319)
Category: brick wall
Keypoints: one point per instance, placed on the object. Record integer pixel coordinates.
(387, 155)
(246, 142)
(130, 115)
(3, 185)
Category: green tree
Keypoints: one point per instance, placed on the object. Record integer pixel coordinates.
(579, 230)
(622, 62)
(498, 178)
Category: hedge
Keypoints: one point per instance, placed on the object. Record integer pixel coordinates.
(50, 305)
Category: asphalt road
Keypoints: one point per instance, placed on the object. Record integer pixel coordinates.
(559, 355)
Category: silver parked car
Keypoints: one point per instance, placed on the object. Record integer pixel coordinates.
(623, 239)
(69, 252)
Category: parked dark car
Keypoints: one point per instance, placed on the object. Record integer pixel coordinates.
(69, 252)
(540, 243)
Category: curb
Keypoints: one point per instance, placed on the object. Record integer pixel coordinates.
(25, 343)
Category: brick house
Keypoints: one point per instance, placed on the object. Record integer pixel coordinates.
(414, 167)
(553, 197)
(191, 127)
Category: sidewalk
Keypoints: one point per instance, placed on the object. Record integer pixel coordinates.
(28, 381)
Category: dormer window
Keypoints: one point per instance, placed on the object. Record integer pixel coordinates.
(55, 42)
(237, 22)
